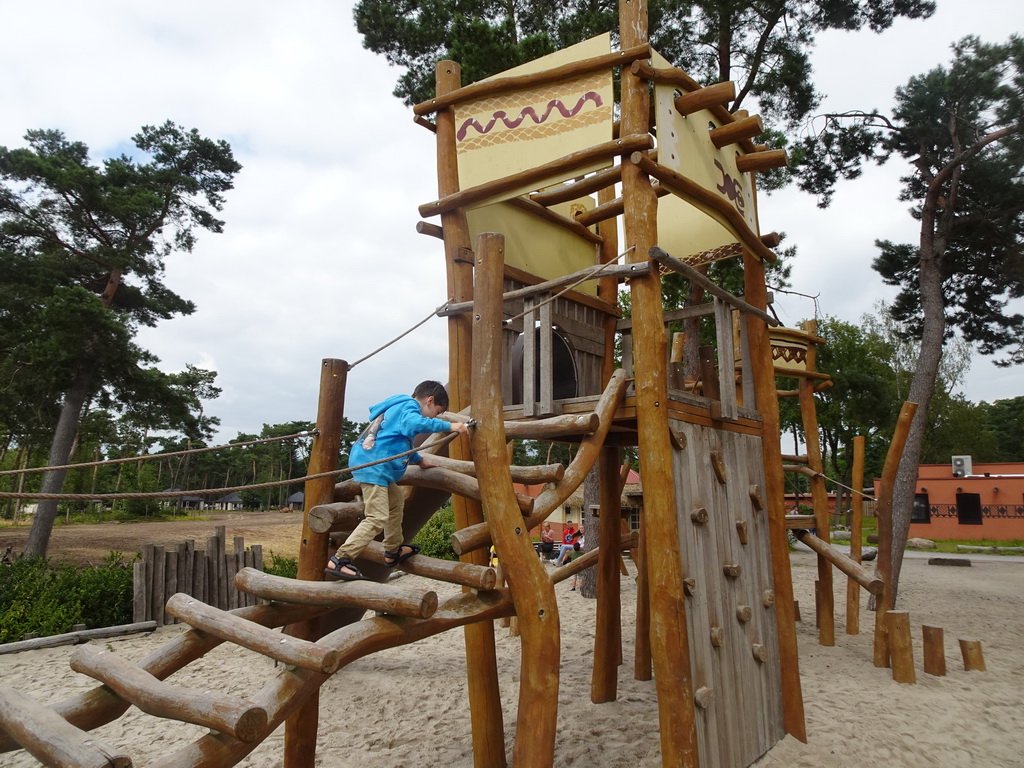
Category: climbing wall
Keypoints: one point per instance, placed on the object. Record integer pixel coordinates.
(730, 609)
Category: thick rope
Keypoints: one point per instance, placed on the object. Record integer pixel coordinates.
(150, 456)
(211, 491)
(822, 475)
(381, 349)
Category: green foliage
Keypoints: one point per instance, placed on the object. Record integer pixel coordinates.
(37, 596)
(960, 128)
(1004, 420)
(435, 538)
(288, 567)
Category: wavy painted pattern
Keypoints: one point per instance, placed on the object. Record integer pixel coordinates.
(552, 106)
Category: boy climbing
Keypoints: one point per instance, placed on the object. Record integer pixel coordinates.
(393, 425)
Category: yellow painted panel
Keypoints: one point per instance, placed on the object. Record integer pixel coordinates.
(498, 136)
(684, 145)
(535, 245)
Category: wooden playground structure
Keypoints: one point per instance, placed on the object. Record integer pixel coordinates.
(534, 270)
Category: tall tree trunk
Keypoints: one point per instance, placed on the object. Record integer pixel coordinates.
(60, 451)
(922, 386)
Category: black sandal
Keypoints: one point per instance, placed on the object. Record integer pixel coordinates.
(391, 559)
(337, 573)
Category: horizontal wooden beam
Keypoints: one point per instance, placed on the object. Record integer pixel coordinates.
(710, 286)
(850, 567)
(511, 83)
(718, 207)
(618, 271)
(536, 175)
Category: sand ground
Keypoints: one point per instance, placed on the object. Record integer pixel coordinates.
(407, 706)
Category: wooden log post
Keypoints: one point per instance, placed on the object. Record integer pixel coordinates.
(756, 293)
(970, 649)
(481, 660)
(301, 726)
(532, 592)
(669, 641)
(901, 648)
(819, 495)
(934, 651)
(856, 517)
(642, 642)
(603, 686)
(883, 512)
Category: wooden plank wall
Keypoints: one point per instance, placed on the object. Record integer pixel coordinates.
(207, 575)
(731, 618)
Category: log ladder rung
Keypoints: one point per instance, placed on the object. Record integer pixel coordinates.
(236, 717)
(51, 739)
(255, 637)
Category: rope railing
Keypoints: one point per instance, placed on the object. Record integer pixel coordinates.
(211, 491)
(400, 336)
(149, 456)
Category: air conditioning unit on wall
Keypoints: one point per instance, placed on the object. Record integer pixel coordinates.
(962, 466)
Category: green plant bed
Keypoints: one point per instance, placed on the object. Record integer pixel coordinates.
(48, 599)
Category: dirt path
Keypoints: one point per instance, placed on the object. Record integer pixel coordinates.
(277, 532)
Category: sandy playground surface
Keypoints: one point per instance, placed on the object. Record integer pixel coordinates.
(407, 707)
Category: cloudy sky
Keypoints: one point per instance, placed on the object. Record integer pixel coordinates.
(320, 257)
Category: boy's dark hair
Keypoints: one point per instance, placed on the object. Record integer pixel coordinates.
(433, 389)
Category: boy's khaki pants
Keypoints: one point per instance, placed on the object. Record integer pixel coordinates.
(384, 510)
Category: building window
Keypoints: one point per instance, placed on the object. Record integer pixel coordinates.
(920, 513)
(968, 508)
(634, 519)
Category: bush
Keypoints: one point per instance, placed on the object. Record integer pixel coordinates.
(36, 596)
(287, 567)
(435, 538)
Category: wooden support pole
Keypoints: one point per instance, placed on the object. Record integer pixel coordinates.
(539, 625)
(603, 686)
(642, 641)
(819, 496)
(883, 513)
(856, 517)
(970, 649)
(481, 662)
(755, 292)
(934, 651)
(301, 727)
(901, 647)
(669, 641)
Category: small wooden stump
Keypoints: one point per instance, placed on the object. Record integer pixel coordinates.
(934, 651)
(901, 649)
(973, 658)
(744, 613)
(796, 612)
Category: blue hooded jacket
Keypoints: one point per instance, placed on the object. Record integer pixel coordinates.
(403, 420)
